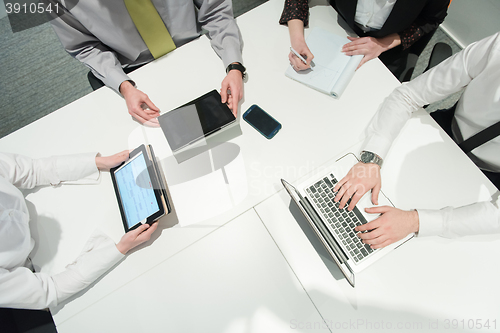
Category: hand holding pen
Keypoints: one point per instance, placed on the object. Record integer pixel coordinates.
(300, 57)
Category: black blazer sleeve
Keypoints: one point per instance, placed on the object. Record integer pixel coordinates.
(411, 19)
(431, 16)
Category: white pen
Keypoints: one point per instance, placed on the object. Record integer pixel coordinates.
(298, 55)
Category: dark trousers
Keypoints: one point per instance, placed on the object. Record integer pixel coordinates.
(95, 83)
(444, 118)
(24, 321)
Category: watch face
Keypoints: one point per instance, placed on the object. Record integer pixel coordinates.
(367, 157)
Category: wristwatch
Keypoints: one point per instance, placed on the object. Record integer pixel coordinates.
(369, 157)
(239, 67)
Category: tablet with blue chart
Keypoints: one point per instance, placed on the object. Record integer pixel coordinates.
(140, 189)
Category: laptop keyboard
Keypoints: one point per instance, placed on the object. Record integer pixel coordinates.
(340, 222)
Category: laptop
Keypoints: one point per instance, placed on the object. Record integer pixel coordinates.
(334, 226)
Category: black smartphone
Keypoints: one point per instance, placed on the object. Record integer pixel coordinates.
(262, 121)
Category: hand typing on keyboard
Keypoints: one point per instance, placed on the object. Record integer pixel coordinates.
(392, 225)
(339, 221)
(362, 178)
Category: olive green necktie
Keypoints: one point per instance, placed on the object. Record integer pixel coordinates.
(150, 26)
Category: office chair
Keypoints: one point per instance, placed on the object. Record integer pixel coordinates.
(440, 52)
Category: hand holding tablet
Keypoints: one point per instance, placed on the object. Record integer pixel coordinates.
(108, 162)
(136, 237)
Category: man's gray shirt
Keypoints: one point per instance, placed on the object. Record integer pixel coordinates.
(101, 34)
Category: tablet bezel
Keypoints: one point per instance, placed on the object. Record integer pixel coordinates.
(156, 188)
(224, 108)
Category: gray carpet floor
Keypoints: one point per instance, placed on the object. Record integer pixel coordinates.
(37, 76)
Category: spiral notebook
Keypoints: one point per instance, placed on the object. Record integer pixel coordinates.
(331, 69)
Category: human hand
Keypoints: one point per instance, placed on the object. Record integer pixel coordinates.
(234, 83)
(360, 179)
(370, 47)
(136, 237)
(392, 225)
(301, 48)
(107, 162)
(297, 40)
(139, 105)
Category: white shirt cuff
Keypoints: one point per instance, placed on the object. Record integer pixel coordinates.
(98, 256)
(377, 144)
(431, 222)
(77, 169)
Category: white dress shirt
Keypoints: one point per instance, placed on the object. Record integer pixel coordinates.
(373, 13)
(102, 35)
(19, 286)
(477, 68)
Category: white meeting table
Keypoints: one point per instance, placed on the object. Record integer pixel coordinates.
(427, 284)
(200, 272)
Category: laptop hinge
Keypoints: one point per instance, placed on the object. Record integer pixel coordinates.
(324, 231)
